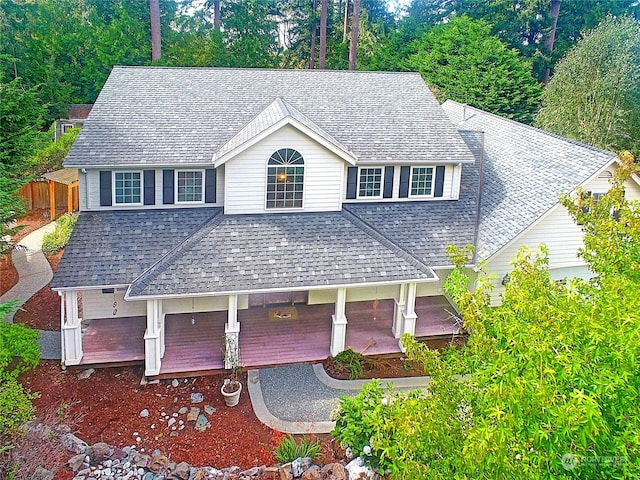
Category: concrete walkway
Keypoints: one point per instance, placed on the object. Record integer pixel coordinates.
(34, 273)
(299, 398)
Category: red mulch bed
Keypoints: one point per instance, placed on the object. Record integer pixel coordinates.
(106, 408)
(42, 311)
(389, 366)
(8, 274)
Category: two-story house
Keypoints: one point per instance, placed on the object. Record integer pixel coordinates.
(295, 213)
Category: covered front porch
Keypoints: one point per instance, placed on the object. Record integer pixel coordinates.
(192, 343)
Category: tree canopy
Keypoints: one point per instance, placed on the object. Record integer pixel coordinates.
(547, 386)
(465, 62)
(594, 94)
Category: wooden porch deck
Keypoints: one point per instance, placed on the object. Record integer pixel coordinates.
(197, 347)
(193, 347)
(114, 341)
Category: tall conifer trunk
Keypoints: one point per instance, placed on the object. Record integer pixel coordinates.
(323, 34)
(353, 48)
(156, 39)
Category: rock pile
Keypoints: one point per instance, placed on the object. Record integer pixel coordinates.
(104, 462)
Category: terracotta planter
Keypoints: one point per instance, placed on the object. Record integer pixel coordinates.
(231, 398)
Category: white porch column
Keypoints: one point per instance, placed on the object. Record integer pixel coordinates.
(153, 338)
(162, 327)
(339, 324)
(71, 329)
(398, 309)
(232, 335)
(409, 316)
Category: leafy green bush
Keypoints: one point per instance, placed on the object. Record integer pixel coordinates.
(59, 238)
(51, 156)
(15, 406)
(289, 450)
(351, 361)
(19, 351)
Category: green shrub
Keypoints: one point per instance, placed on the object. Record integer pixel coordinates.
(59, 238)
(19, 350)
(351, 361)
(15, 406)
(289, 450)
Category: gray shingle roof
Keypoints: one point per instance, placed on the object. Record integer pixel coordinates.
(278, 251)
(276, 111)
(173, 116)
(525, 171)
(424, 229)
(114, 247)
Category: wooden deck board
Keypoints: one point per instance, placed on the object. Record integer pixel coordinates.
(273, 342)
(112, 340)
(198, 347)
(191, 347)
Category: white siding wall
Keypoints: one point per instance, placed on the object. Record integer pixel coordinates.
(89, 187)
(203, 304)
(450, 191)
(246, 175)
(562, 237)
(354, 294)
(96, 304)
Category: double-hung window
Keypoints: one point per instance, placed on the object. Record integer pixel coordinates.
(189, 186)
(285, 179)
(421, 182)
(127, 188)
(370, 182)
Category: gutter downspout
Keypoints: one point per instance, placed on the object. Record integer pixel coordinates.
(479, 198)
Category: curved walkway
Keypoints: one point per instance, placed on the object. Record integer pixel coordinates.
(299, 398)
(34, 273)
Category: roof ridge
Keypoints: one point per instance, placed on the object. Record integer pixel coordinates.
(200, 232)
(530, 127)
(298, 70)
(387, 242)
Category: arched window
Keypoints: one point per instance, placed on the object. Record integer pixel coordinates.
(285, 179)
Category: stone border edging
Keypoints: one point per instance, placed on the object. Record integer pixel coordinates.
(403, 383)
(266, 417)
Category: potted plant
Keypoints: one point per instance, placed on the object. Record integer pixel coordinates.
(231, 386)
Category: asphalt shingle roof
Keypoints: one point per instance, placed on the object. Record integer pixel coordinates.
(183, 116)
(276, 111)
(114, 247)
(525, 171)
(278, 251)
(424, 229)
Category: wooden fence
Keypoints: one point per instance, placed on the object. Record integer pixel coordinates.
(36, 194)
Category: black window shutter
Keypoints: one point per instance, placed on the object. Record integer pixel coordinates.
(439, 187)
(105, 188)
(352, 182)
(388, 182)
(210, 185)
(167, 187)
(405, 173)
(149, 187)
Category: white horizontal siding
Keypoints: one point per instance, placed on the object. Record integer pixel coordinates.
(96, 304)
(89, 185)
(557, 231)
(246, 175)
(562, 237)
(202, 304)
(450, 191)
